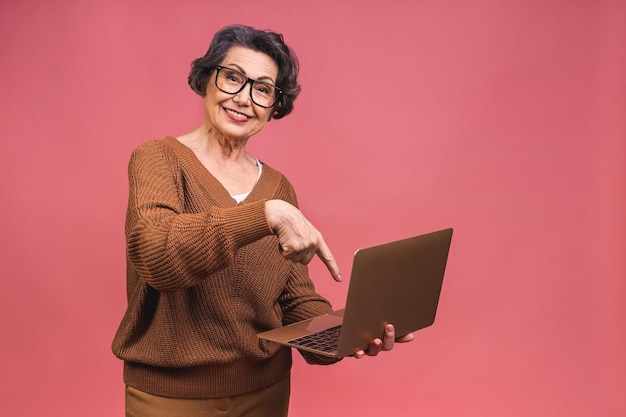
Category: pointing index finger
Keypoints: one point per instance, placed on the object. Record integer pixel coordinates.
(324, 253)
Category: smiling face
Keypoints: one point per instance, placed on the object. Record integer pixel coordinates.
(235, 116)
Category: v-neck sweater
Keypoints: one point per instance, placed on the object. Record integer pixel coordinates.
(204, 277)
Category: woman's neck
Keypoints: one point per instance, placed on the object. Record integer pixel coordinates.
(215, 145)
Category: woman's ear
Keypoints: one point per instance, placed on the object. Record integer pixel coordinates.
(276, 107)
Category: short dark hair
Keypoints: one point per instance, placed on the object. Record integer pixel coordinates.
(265, 41)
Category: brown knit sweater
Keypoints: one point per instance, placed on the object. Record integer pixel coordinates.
(204, 276)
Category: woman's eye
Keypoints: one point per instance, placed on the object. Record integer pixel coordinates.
(264, 89)
(233, 77)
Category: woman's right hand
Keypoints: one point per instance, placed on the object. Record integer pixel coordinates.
(298, 239)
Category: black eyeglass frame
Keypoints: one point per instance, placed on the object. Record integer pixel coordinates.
(250, 81)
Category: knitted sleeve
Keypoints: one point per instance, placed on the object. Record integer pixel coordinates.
(173, 250)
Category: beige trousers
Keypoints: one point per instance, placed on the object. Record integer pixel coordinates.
(272, 401)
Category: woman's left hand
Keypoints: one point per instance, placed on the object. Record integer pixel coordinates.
(389, 339)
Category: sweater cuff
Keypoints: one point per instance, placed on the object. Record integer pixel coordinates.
(247, 223)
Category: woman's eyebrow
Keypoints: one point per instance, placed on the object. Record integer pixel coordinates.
(243, 71)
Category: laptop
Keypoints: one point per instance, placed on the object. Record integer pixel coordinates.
(397, 282)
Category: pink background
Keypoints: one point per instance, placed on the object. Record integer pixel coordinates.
(503, 119)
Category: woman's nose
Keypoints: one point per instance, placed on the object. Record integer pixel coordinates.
(243, 97)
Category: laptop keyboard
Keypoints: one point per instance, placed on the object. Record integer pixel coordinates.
(326, 340)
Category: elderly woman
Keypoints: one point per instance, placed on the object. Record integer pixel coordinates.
(217, 248)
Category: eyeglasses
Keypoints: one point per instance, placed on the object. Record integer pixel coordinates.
(231, 81)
